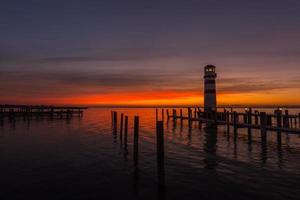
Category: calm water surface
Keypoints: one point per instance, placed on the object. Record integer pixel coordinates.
(82, 158)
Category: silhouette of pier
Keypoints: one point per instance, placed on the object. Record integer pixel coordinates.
(28, 111)
(278, 121)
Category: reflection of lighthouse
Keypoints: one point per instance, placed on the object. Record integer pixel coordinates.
(210, 97)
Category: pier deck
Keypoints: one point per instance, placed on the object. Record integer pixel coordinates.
(15, 111)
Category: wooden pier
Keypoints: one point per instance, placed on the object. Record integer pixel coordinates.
(28, 111)
(278, 121)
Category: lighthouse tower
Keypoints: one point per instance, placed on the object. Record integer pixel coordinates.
(210, 97)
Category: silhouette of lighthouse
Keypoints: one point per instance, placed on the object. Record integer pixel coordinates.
(210, 96)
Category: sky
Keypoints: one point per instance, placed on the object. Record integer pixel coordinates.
(141, 52)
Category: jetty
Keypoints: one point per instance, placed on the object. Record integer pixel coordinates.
(28, 111)
(277, 121)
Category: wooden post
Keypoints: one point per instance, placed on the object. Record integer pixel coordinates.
(174, 115)
(245, 117)
(249, 125)
(115, 121)
(136, 141)
(181, 118)
(256, 117)
(269, 120)
(287, 125)
(228, 121)
(195, 113)
(263, 126)
(121, 128)
(199, 118)
(168, 116)
(189, 118)
(126, 132)
(162, 115)
(299, 119)
(279, 125)
(235, 120)
(156, 114)
(160, 152)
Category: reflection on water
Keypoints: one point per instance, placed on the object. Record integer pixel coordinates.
(85, 158)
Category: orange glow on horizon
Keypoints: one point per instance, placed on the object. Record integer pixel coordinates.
(169, 98)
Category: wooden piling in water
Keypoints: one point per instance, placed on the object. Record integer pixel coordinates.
(190, 118)
(174, 115)
(125, 132)
(121, 127)
(279, 125)
(249, 117)
(263, 124)
(168, 116)
(299, 120)
(160, 152)
(162, 115)
(115, 121)
(256, 117)
(235, 121)
(136, 141)
(156, 114)
(228, 121)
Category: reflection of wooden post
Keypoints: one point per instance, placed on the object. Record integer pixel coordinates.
(121, 127)
(136, 141)
(160, 152)
(126, 132)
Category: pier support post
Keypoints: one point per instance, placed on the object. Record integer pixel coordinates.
(279, 125)
(299, 119)
(286, 119)
(168, 116)
(136, 141)
(263, 127)
(125, 132)
(115, 121)
(256, 117)
(162, 115)
(160, 153)
(174, 115)
(235, 121)
(156, 114)
(228, 121)
(190, 118)
(249, 125)
(121, 128)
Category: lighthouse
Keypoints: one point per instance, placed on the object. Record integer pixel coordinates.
(210, 96)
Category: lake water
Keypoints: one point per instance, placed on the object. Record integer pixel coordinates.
(82, 158)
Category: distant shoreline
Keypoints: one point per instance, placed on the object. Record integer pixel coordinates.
(160, 106)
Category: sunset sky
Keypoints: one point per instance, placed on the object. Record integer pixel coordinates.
(148, 52)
